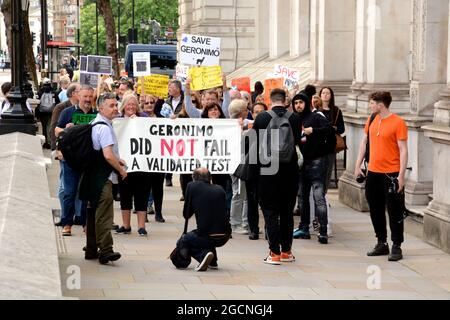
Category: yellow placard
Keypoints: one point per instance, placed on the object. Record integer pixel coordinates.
(205, 77)
(156, 84)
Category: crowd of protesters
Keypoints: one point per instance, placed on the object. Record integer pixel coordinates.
(314, 119)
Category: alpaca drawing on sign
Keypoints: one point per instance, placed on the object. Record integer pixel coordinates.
(200, 61)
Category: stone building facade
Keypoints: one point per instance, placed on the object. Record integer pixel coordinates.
(356, 47)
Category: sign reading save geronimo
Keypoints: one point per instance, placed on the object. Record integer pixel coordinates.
(199, 50)
(179, 146)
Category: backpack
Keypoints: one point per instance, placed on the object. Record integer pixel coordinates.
(180, 255)
(286, 146)
(47, 102)
(76, 145)
(367, 154)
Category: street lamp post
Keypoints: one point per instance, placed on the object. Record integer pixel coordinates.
(17, 118)
(44, 28)
(118, 29)
(96, 28)
(132, 21)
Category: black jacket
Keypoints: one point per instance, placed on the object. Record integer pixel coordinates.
(208, 203)
(317, 144)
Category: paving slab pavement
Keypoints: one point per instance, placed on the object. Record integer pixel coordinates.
(339, 270)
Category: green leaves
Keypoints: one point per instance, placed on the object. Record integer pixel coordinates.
(164, 11)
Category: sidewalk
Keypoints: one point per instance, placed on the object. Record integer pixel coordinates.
(338, 270)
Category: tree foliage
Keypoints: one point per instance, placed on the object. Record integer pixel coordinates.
(164, 11)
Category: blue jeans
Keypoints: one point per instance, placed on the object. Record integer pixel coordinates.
(198, 246)
(61, 191)
(71, 178)
(150, 199)
(313, 175)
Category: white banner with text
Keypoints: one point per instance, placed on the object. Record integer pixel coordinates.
(179, 145)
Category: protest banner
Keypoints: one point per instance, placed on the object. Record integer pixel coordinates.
(179, 146)
(182, 72)
(242, 84)
(205, 77)
(156, 84)
(99, 64)
(269, 85)
(83, 63)
(90, 79)
(291, 75)
(199, 50)
(141, 64)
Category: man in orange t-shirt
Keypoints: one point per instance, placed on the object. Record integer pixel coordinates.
(385, 182)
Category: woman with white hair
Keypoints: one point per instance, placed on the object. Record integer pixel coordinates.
(136, 186)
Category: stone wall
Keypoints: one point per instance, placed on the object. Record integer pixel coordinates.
(29, 267)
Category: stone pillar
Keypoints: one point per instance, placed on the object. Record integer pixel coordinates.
(184, 17)
(332, 52)
(436, 222)
(383, 36)
(279, 22)
(429, 55)
(300, 27)
(231, 20)
(262, 28)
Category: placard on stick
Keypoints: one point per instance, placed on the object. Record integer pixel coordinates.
(99, 64)
(269, 85)
(205, 77)
(141, 64)
(242, 84)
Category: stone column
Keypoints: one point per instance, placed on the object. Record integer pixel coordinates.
(383, 46)
(300, 27)
(231, 20)
(436, 223)
(279, 22)
(332, 50)
(262, 28)
(184, 17)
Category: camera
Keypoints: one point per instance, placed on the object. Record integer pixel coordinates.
(393, 185)
(361, 178)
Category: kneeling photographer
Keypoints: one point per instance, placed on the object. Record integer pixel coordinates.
(387, 153)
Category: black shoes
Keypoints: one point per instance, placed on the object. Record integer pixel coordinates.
(159, 218)
(169, 183)
(396, 253)
(322, 239)
(253, 236)
(90, 256)
(381, 249)
(123, 230)
(110, 256)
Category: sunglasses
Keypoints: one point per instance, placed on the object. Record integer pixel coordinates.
(152, 102)
(194, 101)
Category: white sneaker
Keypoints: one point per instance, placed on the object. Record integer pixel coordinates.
(239, 230)
(203, 266)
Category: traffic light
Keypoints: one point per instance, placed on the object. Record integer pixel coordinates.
(132, 36)
(33, 37)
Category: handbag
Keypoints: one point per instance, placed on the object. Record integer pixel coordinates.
(340, 141)
(180, 256)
